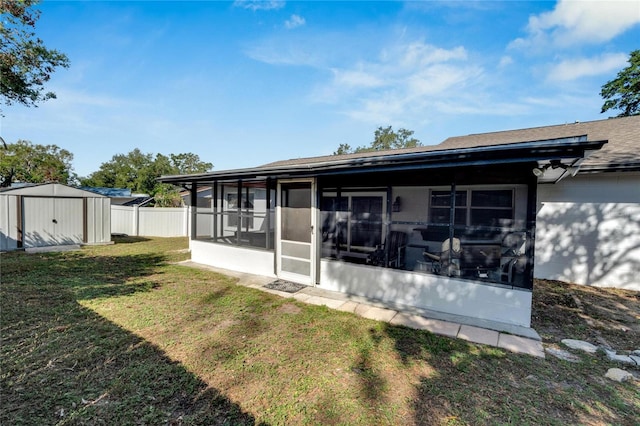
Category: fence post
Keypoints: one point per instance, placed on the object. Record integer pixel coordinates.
(136, 220)
(186, 220)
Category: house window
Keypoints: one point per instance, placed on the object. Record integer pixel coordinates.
(441, 207)
(473, 207)
(491, 207)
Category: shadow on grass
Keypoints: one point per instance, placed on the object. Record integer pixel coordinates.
(64, 364)
(127, 239)
(476, 384)
(87, 276)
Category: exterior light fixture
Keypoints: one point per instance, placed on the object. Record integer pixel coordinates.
(396, 205)
(539, 171)
(554, 164)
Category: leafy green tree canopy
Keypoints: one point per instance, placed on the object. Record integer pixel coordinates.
(25, 162)
(384, 138)
(138, 171)
(623, 92)
(25, 63)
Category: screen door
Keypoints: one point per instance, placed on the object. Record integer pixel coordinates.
(296, 245)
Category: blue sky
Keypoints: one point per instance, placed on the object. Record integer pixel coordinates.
(249, 82)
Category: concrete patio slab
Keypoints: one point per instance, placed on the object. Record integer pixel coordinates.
(478, 335)
(375, 313)
(53, 249)
(348, 306)
(330, 303)
(521, 345)
(443, 328)
(302, 297)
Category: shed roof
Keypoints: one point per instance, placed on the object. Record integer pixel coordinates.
(51, 190)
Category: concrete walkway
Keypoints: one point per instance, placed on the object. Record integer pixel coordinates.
(516, 339)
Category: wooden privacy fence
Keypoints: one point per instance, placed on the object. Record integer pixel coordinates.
(150, 221)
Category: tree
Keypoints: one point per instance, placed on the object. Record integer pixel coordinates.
(384, 138)
(138, 171)
(26, 64)
(132, 171)
(25, 162)
(623, 92)
(188, 163)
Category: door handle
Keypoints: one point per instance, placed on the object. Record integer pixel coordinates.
(54, 221)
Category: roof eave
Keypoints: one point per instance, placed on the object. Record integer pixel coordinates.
(610, 168)
(485, 155)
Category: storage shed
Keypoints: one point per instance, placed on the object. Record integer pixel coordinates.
(52, 214)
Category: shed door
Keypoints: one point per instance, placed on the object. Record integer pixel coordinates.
(52, 221)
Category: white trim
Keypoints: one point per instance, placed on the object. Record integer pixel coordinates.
(313, 255)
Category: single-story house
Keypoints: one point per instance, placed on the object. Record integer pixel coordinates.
(52, 214)
(448, 229)
(588, 224)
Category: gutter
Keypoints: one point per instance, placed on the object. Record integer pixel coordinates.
(529, 151)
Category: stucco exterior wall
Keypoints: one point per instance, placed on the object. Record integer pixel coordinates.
(588, 230)
(252, 261)
(434, 292)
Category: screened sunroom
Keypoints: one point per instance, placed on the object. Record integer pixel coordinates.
(449, 230)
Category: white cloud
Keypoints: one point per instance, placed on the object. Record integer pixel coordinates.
(419, 54)
(284, 52)
(294, 22)
(505, 61)
(403, 84)
(573, 69)
(580, 22)
(356, 78)
(259, 4)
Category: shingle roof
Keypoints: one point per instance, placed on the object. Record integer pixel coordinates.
(622, 151)
(312, 160)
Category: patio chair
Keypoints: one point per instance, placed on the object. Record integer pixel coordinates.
(396, 244)
(512, 259)
(447, 261)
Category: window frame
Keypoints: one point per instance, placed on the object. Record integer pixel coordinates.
(469, 207)
(350, 249)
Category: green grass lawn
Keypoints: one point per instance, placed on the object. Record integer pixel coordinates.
(122, 334)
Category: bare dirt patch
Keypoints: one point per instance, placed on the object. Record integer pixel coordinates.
(289, 308)
(603, 316)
